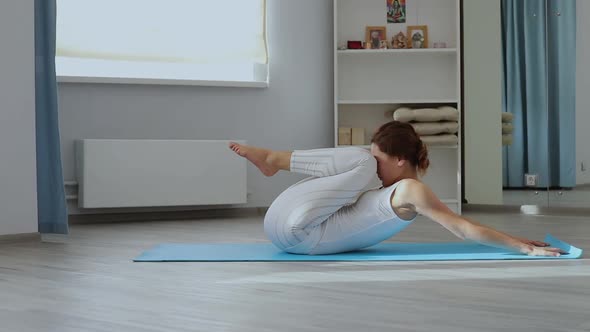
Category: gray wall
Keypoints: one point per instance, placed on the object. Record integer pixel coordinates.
(295, 112)
(18, 188)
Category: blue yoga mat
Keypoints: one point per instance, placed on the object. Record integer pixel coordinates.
(265, 252)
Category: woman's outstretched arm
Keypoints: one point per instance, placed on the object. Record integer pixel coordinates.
(424, 201)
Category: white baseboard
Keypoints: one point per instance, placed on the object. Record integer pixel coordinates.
(165, 215)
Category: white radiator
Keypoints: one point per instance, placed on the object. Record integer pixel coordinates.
(143, 173)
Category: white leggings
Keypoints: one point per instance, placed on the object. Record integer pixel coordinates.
(323, 214)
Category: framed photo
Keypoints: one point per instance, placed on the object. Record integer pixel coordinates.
(396, 11)
(374, 36)
(417, 36)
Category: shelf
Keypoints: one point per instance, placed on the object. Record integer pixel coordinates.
(401, 51)
(431, 147)
(398, 101)
(450, 201)
(442, 147)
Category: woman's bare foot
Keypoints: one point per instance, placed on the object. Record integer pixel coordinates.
(257, 156)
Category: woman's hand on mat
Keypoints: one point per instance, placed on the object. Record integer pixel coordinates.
(534, 243)
(544, 251)
(539, 248)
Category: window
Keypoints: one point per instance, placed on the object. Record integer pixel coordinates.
(203, 42)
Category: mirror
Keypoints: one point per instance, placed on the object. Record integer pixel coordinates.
(570, 110)
(544, 108)
(527, 78)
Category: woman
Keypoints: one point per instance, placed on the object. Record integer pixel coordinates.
(337, 210)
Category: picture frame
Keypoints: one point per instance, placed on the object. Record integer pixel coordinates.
(374, 35)
(417, 36)
(399, 41)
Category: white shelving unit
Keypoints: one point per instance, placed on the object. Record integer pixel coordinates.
(400, 51)
(370, 84)
(398, 101)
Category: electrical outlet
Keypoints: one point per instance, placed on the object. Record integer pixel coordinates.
(531, 180)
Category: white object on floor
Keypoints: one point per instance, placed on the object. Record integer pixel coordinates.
(146, 173)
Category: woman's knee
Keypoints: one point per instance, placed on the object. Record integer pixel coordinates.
(365, 164)
(355, 157)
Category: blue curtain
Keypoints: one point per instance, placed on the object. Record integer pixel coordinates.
(51, 200)
(539, 89)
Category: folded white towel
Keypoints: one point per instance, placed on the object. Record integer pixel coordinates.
(433, 128)
(444, 113)
(507, 139)
(440, 139)
(507, 128)
(507, 117)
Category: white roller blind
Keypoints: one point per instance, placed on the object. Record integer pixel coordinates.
(162, 39)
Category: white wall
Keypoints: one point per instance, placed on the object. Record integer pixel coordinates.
(483, 101)
(18, 188)
(295, 112)
(582, 89)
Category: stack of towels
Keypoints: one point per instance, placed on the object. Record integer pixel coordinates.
(507, 128)
(436, 126)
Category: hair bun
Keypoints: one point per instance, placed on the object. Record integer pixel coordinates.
(422, 158)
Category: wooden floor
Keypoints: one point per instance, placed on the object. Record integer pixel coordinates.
(89, 283)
